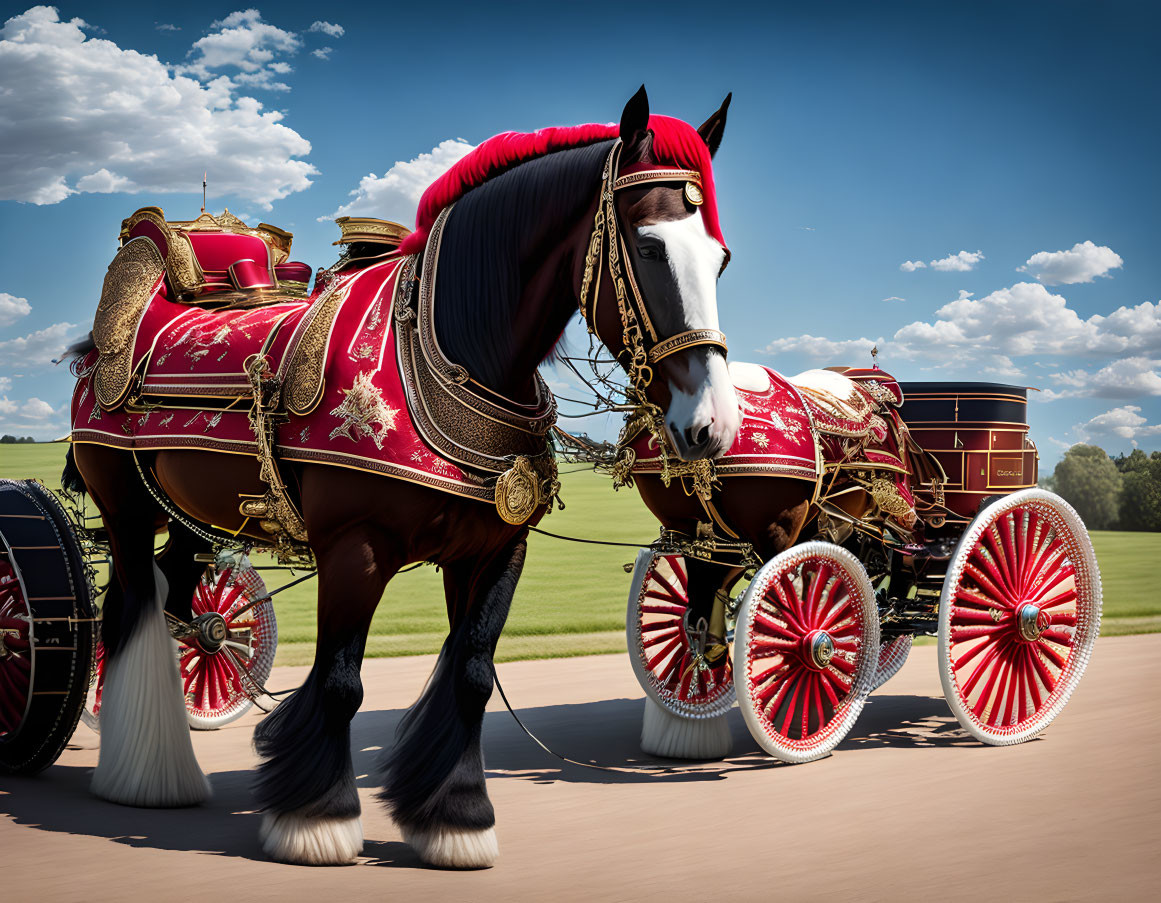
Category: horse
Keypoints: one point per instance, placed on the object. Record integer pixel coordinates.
(543, 225)
(765, 508)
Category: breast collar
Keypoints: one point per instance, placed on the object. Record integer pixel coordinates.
(643, 348)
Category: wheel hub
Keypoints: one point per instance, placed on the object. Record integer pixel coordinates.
(819, 649)
(212, 631)
(1031, 622)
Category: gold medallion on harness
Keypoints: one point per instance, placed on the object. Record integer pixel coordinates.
(693, 194)
(517, 492)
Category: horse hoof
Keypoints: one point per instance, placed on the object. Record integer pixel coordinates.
(672, 737)
(128, 787)
(453, 848)
(302, 840)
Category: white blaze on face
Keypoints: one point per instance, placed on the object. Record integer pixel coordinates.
(695, 259)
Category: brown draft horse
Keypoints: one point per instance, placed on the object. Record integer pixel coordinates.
(511, 269)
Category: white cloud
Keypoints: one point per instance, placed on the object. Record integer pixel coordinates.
(395, 195)
(322, 53)
(34, 417)
(1124, 422)
(1027, 319)
(958, 263)
(894, 298)
(246, 43)
(32, 409)
(328, 28)
(5, 384)
(12, 308)
(1084, 263)
(824, 349)
(81, 114)
(1130, 377)
(37, 348)
(986, 334)
(165, 26)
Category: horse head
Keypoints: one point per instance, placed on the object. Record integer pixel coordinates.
(663, 326)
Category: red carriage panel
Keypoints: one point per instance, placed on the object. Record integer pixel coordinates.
(979, 433)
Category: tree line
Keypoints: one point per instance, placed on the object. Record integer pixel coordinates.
(1122, 493)
(12, 440)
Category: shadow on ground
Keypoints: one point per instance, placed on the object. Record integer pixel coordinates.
(606, 732)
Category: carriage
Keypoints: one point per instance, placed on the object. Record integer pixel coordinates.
(950, 537)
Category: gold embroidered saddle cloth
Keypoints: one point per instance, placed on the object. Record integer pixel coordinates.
(809, 427)
(180, 378)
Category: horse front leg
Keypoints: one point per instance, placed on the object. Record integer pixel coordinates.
(306, 781)
(434, 784)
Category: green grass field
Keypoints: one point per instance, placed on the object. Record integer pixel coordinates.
(571, 598)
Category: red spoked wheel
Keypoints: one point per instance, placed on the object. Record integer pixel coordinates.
(806, 647)
(234, 650)
(15, 662)
(1019, 616)
(892, 656)
(228, 658)
(663, 645)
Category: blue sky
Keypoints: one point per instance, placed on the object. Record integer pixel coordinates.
(1008, 148)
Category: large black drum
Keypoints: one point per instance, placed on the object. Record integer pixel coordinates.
(47, 627)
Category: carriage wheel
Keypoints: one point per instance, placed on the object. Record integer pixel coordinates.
(892, 655)
(46, 627)
(211, 668)
(663, 655)
(1019, 616)
(806, 648)
(230, 648)
(15, 662)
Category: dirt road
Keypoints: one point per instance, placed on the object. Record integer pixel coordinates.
(906, 808)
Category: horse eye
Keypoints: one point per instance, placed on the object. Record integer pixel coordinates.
(651, 252)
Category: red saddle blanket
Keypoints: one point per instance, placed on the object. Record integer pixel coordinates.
(335, 355)
(808, 426)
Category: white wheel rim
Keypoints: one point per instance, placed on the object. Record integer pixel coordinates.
(773, 656)
(1006, 680)
(658, 583)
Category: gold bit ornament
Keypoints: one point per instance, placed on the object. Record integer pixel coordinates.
(693, 194)
(517, 492)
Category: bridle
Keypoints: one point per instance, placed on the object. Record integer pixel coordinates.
(643, 348)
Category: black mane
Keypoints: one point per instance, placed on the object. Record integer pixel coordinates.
(518, 216)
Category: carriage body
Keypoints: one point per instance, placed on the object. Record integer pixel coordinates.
(1001, 572)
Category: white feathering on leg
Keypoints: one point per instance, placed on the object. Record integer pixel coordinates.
(302, 840)
(146, 756)
(665, 734)
(453, 848)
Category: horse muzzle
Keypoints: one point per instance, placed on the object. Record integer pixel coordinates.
(703, 423)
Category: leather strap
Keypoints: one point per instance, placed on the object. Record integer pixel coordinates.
(687, 339)
(658, 174)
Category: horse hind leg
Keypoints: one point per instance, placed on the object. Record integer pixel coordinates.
(146, 756)
(434, 784)
(306, 781)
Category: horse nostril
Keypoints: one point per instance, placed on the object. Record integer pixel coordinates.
(698, 438)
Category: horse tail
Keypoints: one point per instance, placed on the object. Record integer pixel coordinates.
(70, 478)
(78, 350)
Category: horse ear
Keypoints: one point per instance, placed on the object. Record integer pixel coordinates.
(635, 118)
(712, 129)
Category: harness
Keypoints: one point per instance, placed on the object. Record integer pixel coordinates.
(643, 348)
